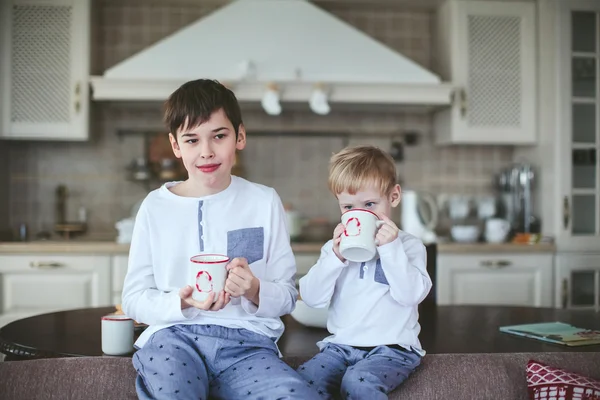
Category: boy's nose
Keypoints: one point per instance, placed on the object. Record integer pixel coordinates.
(206, 152)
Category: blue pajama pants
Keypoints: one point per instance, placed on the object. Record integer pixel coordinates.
(195, 361)
(350, 373)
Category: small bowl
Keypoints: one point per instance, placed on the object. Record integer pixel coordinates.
(308, 316)
(465, 233)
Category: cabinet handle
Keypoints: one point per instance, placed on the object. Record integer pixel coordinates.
(463, 103)
(41, 264)
(460, 96)
(565, 293)
(566, 212)
(495, 264)
(77, 97)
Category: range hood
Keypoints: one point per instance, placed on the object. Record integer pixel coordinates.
(290, 47)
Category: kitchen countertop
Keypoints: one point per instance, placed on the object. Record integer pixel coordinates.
(495, 248)
(106, 247)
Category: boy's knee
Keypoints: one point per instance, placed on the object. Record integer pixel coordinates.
(357, 381)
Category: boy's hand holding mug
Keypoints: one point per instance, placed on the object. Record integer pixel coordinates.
(207, 275)
(207, 305)
(337, 238)
(361, 231)
(388, 231)
(241, 281)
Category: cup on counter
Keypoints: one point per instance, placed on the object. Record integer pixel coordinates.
(117, 335)
(496, 230)
(358, 239)
(208, 274)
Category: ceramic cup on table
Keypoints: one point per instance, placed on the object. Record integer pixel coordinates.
(117, 335)
(358, 239)
(208, 273)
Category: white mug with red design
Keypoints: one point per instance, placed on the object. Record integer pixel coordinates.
(117, 335)
(358, 239)
(208, 273)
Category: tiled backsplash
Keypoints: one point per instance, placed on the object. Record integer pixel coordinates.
(293, 163)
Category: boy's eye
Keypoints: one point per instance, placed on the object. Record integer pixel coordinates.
(347, 207)
(369, 204)
(191, 141)
(220, 136)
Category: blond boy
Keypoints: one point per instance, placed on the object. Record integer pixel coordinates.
(373, 316)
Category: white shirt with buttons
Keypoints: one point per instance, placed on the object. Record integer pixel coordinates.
(373, 303)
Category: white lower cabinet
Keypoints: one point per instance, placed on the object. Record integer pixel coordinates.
(577, 283)
(495, 279)
(41, 283)
(119, 270)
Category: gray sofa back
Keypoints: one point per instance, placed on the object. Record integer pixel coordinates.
(440, 376)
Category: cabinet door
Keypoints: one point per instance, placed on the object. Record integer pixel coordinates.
(579, 227)
(578, 281)
(495, 279)
(118, 270)
(491, 59)
(44, 69)
(38, 284)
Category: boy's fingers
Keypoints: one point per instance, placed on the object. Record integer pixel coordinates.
(384, 217)
(205, 305)
(185, 292)
(227, 299)
(219, 303)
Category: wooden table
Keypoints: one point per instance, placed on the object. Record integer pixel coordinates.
(444, 329)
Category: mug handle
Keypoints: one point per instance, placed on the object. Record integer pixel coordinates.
(378, 223)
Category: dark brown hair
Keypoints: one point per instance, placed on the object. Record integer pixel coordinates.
(195, 101)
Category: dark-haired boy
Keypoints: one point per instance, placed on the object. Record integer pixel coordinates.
(226, 349)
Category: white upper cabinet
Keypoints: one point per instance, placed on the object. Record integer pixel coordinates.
(44, 69)
(487, 50)
(578, 140)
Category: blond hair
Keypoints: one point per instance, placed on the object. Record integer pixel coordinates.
(355, 168)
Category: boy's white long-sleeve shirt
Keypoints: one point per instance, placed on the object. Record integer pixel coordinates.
(373, 303)
(244, 220)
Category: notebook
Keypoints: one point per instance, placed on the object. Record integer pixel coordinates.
(555, 332)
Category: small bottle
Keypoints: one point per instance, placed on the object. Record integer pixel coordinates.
(82, 215)
(23, 232)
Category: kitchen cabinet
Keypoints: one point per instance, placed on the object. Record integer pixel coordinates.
(487, 50)
(44, 69)
(41, 283)
(577, 281)
(118, 270)
(305, 261)
(578, 142)
(495, 279)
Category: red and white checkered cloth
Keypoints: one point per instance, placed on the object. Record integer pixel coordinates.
(548, 383)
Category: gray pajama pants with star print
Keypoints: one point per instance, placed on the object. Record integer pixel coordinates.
(198, 361)
(346, 372)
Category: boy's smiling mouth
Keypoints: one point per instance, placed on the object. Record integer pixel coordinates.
(207, 168)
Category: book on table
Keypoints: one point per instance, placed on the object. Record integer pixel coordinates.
(555, 332)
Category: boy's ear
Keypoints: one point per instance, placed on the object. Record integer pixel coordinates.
(396, 195)
(175, 145)
(241, 138)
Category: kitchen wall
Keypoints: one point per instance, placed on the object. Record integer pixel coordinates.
(4, 189)
(295, 164)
